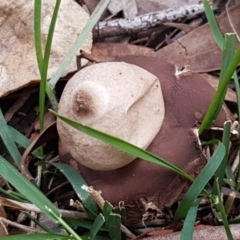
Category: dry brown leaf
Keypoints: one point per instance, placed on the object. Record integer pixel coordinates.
(109, 51)
(18, 65)
(156, 5)
(199, 47)
(230, 95)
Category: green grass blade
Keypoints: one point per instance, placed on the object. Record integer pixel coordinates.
(237, 90)
(79, 42)
(122, 145)
(44, 70)
(220, 173)
(30, 191)
(37, 32)
(38, 223)
(227, 46)
(219, 96)
(107, 209)
(10, 195)
(200, 182)
(114, 226)
(230, 177)
(220, 207)
(189, 223)
(37, 236)
(113, 221)
(97, 224)
(23, 141)
(213, 24)
(77, 182)
(228, 52)
(8, 140)
(83, 223)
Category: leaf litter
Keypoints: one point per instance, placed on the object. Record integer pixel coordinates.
(196, 50)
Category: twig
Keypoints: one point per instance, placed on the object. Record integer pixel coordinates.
(119, 27)
(31, 207)
(20, 226)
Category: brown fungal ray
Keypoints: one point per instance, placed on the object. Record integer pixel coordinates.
(187, 98)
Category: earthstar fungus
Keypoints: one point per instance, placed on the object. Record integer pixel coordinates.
(120, 99)
(143, 187)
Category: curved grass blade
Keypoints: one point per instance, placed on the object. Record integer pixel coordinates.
(8, 140)
(23, 141)
(37, 32)
(214, 107)
(199, 183)
(227, 55)
(30, 191)
(220, 207)
(44, 69)
(38, 223)
(123, 145)
(213, 24)
(220, 173)
(189, 222)
(77, 182)
(83, 224)
(80, 40)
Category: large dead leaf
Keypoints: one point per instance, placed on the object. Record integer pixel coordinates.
(18, 65)
(156, 5)
(199, 47)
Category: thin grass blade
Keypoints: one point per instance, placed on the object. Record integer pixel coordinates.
(84, 224)
(122, 145)
(228, 53)
(189, 223)
(220, 207)
(213, 24)
(8, 140)
(37, 32)
(200, 182)
(220, 173)
(107, 209)
(77, 182)
(10, 195)
(44, 69)
(97, 224)
(23, 141)
(79, 42)
(219, 96)
(37, 236)
(30, 191)
(114, 226)
(38, 223)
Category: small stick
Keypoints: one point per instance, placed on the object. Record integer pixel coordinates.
(20, 226)
(31, 207)
(121, 26)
